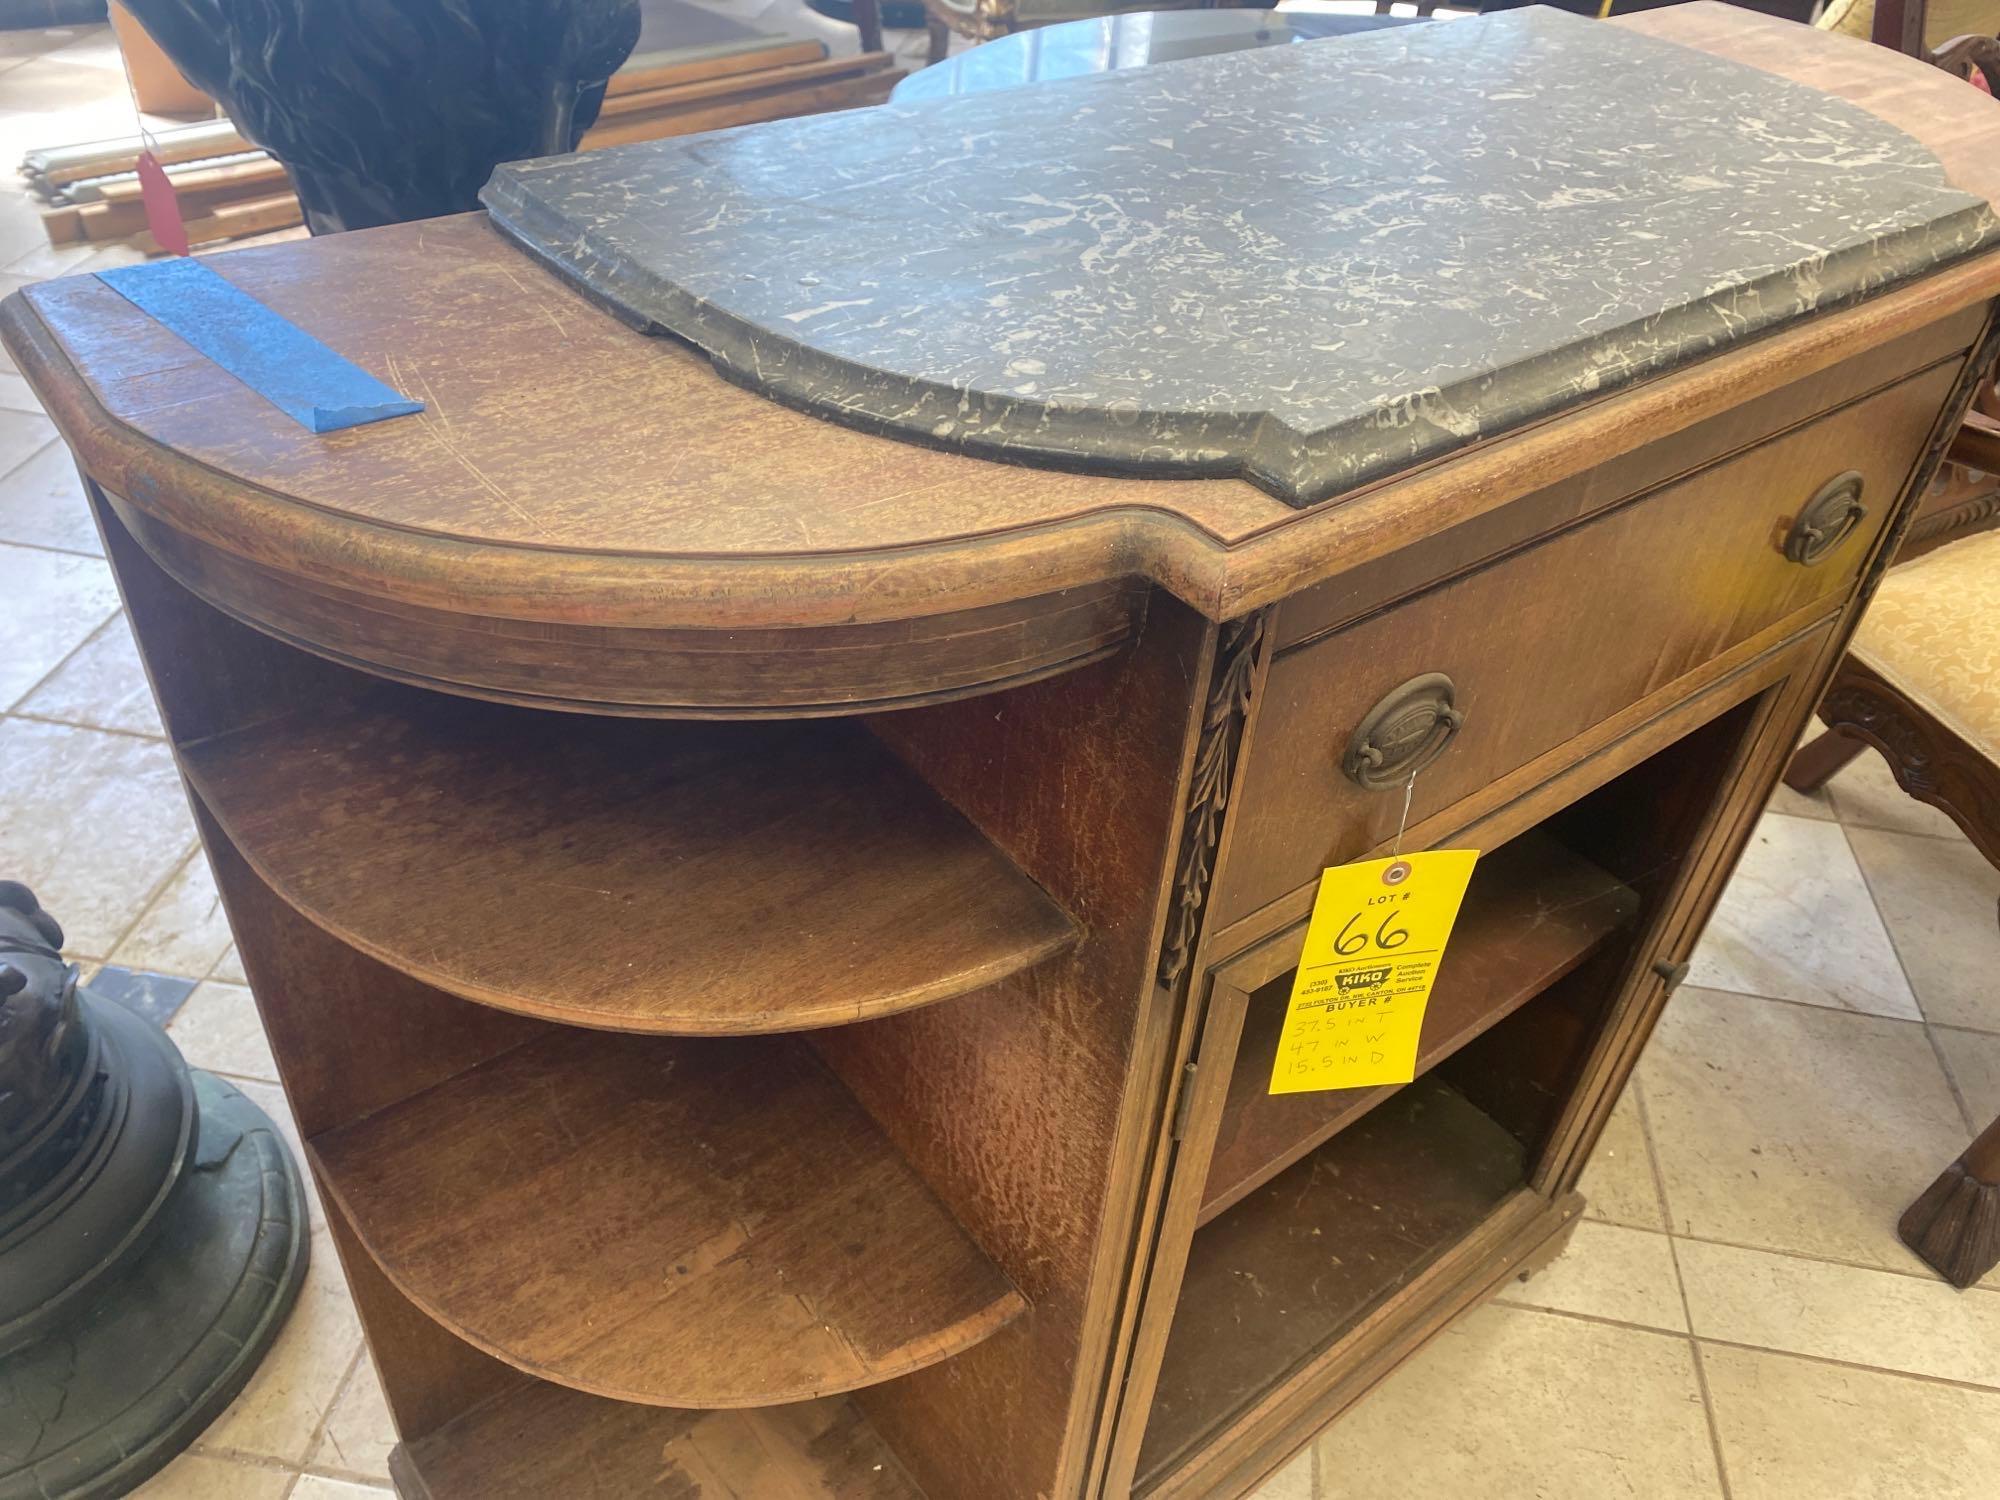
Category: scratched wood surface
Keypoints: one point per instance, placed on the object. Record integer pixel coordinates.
(710, 1223)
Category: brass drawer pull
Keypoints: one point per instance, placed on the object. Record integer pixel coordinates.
(1403, 733)
(1826, 520)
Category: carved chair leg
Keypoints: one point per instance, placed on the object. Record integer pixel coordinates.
(1815, 763)
(1955, 1225)
(868, 21)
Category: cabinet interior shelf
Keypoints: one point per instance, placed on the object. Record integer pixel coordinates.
(1534, 912)
(541, 1440)
(684, 878)
(1303, 1258)
(688, 1223)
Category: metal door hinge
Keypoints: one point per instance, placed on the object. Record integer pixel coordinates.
(1184, 1106)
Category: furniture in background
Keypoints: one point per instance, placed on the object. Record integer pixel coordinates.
(405, 117)
(1956, 35)
(692, 69)
(158, 88)
(984, 20)
(816, 907)
(1921, 685)
(1964, 496)
(1130, 39)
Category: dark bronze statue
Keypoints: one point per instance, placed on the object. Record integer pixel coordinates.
(387, 110)
(42, 1048)
(153, 1232)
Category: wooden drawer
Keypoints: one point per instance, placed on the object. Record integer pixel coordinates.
(1551, 639)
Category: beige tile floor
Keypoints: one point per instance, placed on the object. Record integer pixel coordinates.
(1735, 1318)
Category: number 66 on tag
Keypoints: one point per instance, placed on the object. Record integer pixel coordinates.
(1372, 948)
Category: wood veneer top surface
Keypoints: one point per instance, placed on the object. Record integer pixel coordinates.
(551, 427)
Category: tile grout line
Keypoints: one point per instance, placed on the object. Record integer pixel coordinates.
(14, 468)
(1700, 1373)
(217, 964)
(243, 1458)
(127, 734)
(1972, 1126)
(1888, 930)
(151, 899)
(68, 656)
(1680, 1284)
(1660, 1199)
(1705, 1340)
(1780, 1254)
(318, 1435)
(1837, 1010)
(45, 547)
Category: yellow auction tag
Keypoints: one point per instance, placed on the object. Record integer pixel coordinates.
(1377, 933)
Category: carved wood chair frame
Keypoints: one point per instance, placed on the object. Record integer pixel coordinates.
(1954, 1225)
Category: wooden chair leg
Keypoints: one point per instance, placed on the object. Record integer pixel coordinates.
(868, 21)
(1815, 762)
(1955, 1225)
(940, 42)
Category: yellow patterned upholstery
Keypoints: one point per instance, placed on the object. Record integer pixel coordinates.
(1943, 19)
(1934, 633)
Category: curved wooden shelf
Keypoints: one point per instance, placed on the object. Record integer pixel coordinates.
(693, 879)
(540, 1440)
(675, 1223)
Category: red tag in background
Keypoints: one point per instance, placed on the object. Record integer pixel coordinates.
(162, 204)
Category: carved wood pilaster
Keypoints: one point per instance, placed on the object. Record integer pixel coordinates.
(1208, 792)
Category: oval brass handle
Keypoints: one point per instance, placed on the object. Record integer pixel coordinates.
(1403, 733)
(1826, 520)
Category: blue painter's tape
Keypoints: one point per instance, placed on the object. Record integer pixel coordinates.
(281, 362)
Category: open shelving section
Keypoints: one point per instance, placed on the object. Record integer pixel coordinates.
(1316, 1209)
(719, 1223)
(695, 879)
(1301, 1258)
(643, 1194)
(1328, 1233)
(1534, 911)
(723, 1108)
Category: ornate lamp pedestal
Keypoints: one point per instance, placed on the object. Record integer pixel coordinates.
(153, 1231)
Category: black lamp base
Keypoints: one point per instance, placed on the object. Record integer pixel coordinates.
(132, 1372)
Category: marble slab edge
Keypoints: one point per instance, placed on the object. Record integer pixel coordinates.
(1303, 472)
(1406, 424)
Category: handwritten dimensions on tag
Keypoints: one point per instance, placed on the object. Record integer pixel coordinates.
(1372, 949)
